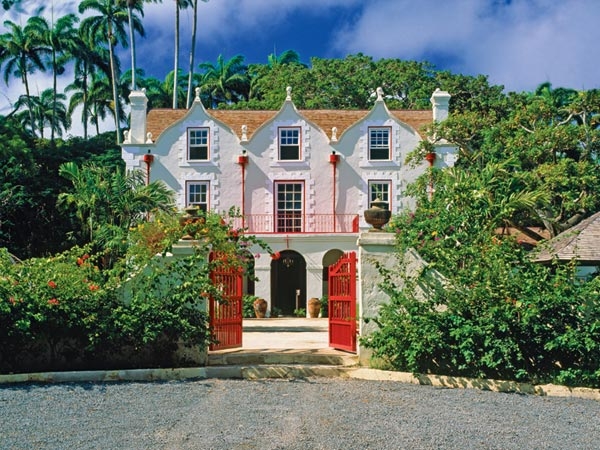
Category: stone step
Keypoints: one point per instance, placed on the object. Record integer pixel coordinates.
(252, 357)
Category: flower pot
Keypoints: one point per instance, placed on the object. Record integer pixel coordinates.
(377, 215)
(260, 308)
(314, 307)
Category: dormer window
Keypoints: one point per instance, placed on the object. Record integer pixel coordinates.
(379, 144)
(289, 144)
(198, 144)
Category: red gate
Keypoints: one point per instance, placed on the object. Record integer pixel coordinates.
(342, 303)
(226, 316)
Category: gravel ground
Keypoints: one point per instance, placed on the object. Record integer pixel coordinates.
(314, 413)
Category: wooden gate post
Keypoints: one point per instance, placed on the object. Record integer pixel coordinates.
(372, 247)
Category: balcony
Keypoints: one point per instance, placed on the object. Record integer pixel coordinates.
(297, 223)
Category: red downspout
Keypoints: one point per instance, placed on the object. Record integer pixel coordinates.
(333, 159)
(242, 161)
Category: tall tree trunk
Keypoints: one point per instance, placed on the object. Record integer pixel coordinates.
(176, 65)
(54, 88)
(132, 44)
(113, 74)
(85, 101)
(28, 94)
(192, 54)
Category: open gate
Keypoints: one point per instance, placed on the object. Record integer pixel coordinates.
(226, 317)
(342, 303)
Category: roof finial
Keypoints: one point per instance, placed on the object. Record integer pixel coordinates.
(379, 94)
(288, 91)
(197, 91)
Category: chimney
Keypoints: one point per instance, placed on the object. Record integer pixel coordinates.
(138, 102)
(440, 100)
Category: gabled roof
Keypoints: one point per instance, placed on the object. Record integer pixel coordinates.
(159, 119)
(581, 242)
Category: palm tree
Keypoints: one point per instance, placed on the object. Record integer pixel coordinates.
(20, 55)
(158, 92)
(179, 4)
(48, 110)
(108, 203)
(225, 81)
(192, 54)
(110, 25)
(134, 5)
(89, 57)
(287, 57)
(99, 98)
(57, 38)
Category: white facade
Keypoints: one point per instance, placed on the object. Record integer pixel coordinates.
(300, 178)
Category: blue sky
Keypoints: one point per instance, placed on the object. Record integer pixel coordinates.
(516, 43)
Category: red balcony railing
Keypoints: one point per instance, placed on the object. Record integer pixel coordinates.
(297, 223)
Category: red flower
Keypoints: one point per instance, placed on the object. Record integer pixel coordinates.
(53, 302)
(52, 284)
(94, 287)
(276, 255)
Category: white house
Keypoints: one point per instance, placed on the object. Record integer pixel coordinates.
(300, 178)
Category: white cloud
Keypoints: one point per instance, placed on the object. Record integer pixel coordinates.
(519, 44)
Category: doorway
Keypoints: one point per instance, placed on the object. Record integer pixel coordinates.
(288, 283)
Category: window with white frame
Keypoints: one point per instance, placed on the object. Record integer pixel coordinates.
(289, 144)
(198, 143)
(379, 144)
(289, 204)
(197, 194)
(380, 189)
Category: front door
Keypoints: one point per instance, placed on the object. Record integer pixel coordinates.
(288, 282)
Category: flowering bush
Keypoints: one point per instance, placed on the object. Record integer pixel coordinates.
(63, 312)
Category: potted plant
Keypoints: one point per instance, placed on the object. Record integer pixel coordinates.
(260, 308)
(324, 303)
(300, 312)
(314, 307)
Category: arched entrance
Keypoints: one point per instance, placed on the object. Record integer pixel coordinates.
(288, 282)
(329, 258)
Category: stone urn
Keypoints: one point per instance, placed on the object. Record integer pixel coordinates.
(377, 215)
(260, 308)
(314, 307)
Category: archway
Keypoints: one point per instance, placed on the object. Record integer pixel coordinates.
(288, 283)
(329, 258)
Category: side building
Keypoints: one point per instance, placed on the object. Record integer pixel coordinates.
(300, 178)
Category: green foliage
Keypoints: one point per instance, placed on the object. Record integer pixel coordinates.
(248, 306)
(66, 312)
(498, 314)
(300, 312)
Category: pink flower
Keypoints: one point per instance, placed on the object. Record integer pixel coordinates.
(53, 302)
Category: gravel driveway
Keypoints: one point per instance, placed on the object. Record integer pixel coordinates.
(315, 413)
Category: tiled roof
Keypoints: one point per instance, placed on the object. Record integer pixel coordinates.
(581, 242)
(159, 119)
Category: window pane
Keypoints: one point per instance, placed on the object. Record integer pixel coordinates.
(197, 194)
(379, 143)
(198, 144)
(289, 207)
(379, 189)
(289, 144)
